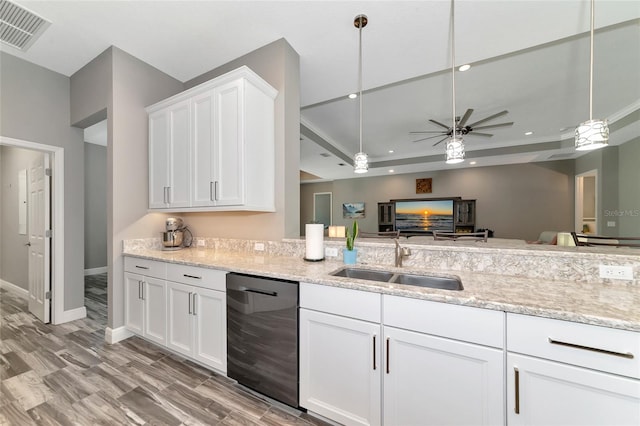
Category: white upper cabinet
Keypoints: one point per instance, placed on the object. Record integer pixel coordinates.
(216, 142)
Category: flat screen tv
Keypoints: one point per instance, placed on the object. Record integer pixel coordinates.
(424, 216)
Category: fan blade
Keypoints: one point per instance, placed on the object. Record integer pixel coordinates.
(432, 131)
(439, 124)
(491, 117)
(465, 117)
(492, 126)
(440, 141)
(429, 137)
(484, 135)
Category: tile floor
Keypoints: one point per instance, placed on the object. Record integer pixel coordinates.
(68, 375)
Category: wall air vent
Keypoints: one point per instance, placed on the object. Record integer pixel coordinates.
(325, 155)
(19, 27)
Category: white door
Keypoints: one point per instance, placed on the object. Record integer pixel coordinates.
(210, 327)
(155, 308)
(133, 303)
(229, 144)
(39, 243)
(541, 392)
(429, 380)
(179, 152)
(158, 159)
(179, 313)
(340, 365)
(202, 153)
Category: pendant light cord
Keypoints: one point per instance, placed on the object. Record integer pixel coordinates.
(360, 76)
(591, 65)
(453, 73)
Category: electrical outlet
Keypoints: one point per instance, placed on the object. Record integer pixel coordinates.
(331, 251)
(611, 224)
(200, 242)
(258, 246)
(616, 272)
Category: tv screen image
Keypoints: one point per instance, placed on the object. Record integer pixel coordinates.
(424, 216)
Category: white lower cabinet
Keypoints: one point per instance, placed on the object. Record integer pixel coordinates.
(430, 380)
(145, 305)
(340, 367)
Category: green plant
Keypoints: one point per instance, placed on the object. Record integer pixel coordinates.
(352, 234)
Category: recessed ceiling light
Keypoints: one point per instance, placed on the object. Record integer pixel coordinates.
(353, 95)
(464, 67)
(390, 151)
(528, 133)
(391, 171)
(472, 162)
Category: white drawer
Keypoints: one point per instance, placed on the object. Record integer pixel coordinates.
(213, 279)
(341, 301)
(150, 268)
(469, 324)
(599, 348)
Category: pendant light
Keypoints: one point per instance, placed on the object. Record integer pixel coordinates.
(360, 160)
(455, 144)
(591, 134)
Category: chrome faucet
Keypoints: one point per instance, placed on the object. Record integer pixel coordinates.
(401, 252)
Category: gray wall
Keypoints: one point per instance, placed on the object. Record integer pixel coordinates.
(14, 260)
(95, 206)
(516, 201)
(629, 189)
(278, 64)
(34, 107)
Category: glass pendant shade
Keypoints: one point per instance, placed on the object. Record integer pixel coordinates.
(592, 134)
(361, 163)
(455, 150)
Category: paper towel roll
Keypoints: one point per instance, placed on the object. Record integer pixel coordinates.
(314, 241)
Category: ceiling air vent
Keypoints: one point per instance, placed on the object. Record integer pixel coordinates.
(19, 27)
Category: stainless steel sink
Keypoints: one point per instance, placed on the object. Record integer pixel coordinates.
(444, 283)
(364, 274)
(431, 281)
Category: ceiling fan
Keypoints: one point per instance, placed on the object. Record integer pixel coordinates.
(462, 128)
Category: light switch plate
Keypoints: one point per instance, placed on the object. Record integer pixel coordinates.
(615, 272)
(258, 246)
(331, 251)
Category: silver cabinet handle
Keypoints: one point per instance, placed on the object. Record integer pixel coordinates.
(374, 352)
(517, 389)
(588, 348)
(142, 267)
(139, 289)
(194, 303)
(195, 277)
(212, 190)
(142, 288)
(215, 191)
(190, 309)
(169, 201)
(166, 198)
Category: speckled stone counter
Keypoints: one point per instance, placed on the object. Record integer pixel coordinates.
(609, 304)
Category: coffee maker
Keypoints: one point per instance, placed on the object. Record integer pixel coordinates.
(173, 238)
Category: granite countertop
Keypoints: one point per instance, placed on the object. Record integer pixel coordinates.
(610, 305)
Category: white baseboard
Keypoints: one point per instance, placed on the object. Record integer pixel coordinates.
(115, 335)
(73, 314)
(12, 287)
(95, 271)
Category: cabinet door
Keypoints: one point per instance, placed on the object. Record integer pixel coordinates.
(430, 380)
(340, 368)
(210, 328)
(133, 303)
(158, 159)
(155, 307)
(229, 144)
(541, 392)
(179, 318)
(202, 154)
(179, 166)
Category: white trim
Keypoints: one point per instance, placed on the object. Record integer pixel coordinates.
(14, 288)
(74, 314)
(95, 271)
(115, 335)
(57, 251)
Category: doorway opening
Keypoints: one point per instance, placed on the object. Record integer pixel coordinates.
(586, 205)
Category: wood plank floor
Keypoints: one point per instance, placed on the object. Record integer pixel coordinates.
(68, 375)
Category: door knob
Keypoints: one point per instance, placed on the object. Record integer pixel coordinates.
(28, 244)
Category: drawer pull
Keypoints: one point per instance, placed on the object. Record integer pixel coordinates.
(517, 387)
(627, 355)
(142, 267)
(387, 360)
(190, 309)
(192, 276)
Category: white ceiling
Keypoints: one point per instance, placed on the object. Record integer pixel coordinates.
(529, 57)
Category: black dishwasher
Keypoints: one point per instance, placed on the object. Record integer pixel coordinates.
(262, 335)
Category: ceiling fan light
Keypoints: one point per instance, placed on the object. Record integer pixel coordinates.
(455, 150)
(361, 163)
(592, 134)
